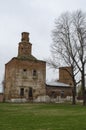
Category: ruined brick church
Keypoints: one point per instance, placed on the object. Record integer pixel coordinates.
(25, 76)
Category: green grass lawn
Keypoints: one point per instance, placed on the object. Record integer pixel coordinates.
(42, 117)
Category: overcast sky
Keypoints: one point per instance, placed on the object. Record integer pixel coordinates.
(36, 17)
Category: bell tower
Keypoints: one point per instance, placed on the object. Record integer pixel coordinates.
(25, 47)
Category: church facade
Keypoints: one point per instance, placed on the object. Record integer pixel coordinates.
(25, 75)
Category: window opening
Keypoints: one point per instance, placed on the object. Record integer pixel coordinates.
(53, 94)
(24, 70)
(62, 94)
(34, 72)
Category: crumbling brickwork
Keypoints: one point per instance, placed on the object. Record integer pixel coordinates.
(25, 76)
(65, 75)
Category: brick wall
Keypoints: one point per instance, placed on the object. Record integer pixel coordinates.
(1, 97)
(64, 75)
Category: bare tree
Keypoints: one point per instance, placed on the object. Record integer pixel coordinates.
(79, 22)
(69, 46)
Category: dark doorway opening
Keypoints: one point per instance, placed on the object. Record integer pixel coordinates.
(30, 93)
(21, 91)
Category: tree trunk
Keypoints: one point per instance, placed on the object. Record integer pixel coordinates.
(83, 87)
(74, 95)
(74, 89)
